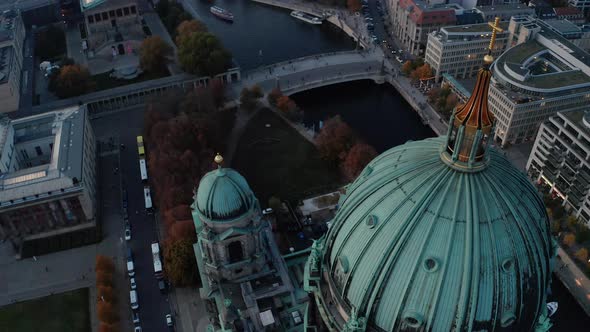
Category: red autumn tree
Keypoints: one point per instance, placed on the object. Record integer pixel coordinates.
(107, 293)
(104, 327)
(356, 159)
(104, 264)
(335, 139)
(353, 5)
(273, 96)
(286, 104)
(104, 278)
(183, 230)
(106, 312)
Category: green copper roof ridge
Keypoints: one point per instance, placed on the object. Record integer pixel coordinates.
(361, 220)
(389, 260)
(405, 170)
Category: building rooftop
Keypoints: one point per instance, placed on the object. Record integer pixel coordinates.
(580, 118)
(474, 28)
(565, 11)
(65, 130)
(563, 27)
(549, 63)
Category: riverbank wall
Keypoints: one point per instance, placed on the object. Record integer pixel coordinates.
(331, 15)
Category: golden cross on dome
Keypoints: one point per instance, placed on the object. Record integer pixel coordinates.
(495, 29)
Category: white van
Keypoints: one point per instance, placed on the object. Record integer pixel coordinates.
(133, 298)
(130, 268)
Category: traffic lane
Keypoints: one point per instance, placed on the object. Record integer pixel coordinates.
(153, 306)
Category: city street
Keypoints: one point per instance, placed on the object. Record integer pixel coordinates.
(153, 306)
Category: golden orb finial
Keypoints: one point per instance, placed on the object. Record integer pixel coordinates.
(218, 159)
(488, 59)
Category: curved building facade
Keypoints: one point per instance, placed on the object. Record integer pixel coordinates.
(533, 80)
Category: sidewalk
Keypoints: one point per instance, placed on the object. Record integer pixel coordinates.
(574, 279)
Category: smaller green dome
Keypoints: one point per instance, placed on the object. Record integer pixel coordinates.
(223, 194)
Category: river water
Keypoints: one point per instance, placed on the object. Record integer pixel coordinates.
(263, 35)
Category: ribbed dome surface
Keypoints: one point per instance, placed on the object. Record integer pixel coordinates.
(223, 194)
(418, 244)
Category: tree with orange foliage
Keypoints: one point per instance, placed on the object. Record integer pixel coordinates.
(106, 293)
(273, 96)
(582, 255)
(356, 159)
(286, 104)
(104, 278)
(407, 68)
(569, 239)
(353, 5)
(104, 327)
(104, 264)
(72, 80)
(183, 230)
(106, 312)
(335, 139)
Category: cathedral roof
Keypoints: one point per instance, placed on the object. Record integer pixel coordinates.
(224, 194)
(419, 244)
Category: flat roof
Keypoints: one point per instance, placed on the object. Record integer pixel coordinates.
(483, 27)
(63, 171)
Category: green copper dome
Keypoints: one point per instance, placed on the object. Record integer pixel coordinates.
(419, 245)
(223, 194)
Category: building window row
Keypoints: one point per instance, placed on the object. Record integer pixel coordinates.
(104, 16)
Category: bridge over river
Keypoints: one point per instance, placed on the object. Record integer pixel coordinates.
(292, 76)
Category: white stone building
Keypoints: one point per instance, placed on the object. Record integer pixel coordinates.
(458, 50)
(560, 159)
(543, 74)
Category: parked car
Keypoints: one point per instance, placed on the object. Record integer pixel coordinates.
(169, 320)
(135, 317)
(137, 329)
(132, 282)
(162, 286)
(127, 234)
(133, 300)
(399, 59)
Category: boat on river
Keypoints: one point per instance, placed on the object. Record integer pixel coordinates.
(222, 13)
(551, 308)
(305, 17)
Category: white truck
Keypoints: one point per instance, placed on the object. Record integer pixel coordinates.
(157, 262)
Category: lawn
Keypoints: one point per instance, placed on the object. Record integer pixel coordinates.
(55, 313)
(278, 161)
(104, 81)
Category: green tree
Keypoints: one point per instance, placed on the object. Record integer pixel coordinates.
(71, 81)
(153, 54)
(202, 54)
(188, 27)
(179, 261)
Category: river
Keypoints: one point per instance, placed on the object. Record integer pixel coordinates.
(263, 35)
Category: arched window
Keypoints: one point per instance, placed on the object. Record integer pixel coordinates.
(236, 252)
